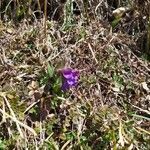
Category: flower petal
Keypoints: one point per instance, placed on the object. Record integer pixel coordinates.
(70, 78)
(65, 86)
(67, 73)
(71, 82)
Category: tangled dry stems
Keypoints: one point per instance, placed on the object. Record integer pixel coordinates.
(110, 107)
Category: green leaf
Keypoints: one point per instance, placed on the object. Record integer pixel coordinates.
(141, 117)
(50, 71)
(2, 145)
(115, 22)
(57, 85)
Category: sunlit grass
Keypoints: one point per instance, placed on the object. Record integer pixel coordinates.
(106, 107)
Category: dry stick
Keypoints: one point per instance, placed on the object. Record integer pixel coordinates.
(45, 19)
(4, 116)
(41, 121)
(13, 115)
(99, 4)
(143, 130)
(142, 110)
(65, 145)
(100, 94)
(31, 106)
(0, 7)
(93, 54)
(39, 5)
(46, 140)
(54, 57)
(19, 123)
(141, 62)
(6, 7)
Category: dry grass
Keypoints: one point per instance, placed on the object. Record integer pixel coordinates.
(109, 109)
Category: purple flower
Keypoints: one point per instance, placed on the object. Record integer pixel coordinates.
(70, 78)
